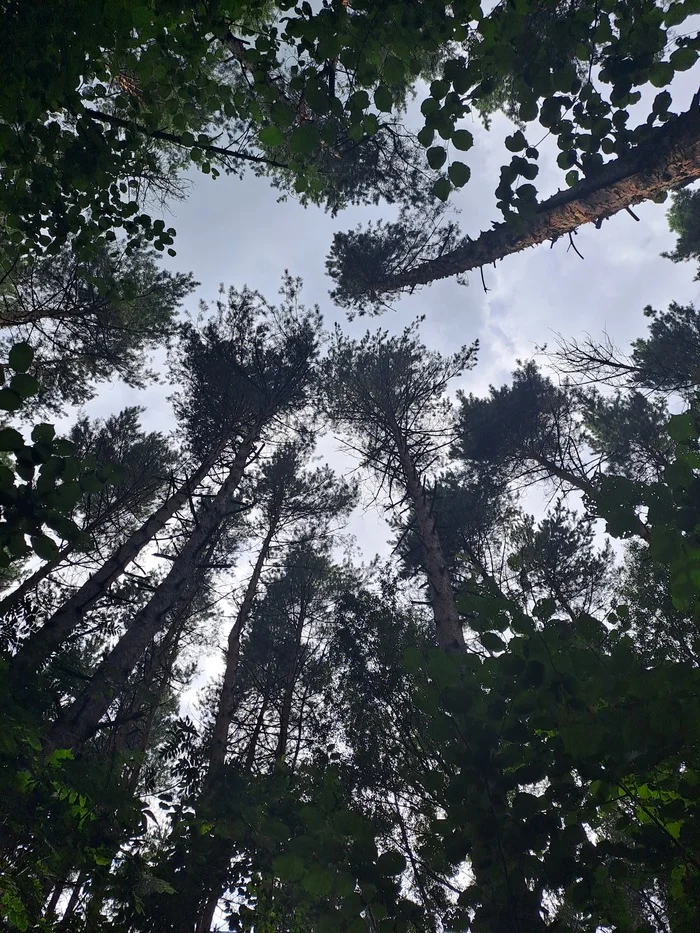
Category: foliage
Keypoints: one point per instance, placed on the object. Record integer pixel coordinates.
(46, 481)
(90, 322)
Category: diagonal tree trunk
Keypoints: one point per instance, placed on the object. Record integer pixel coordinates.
(669, 159)
(226, 707)
(448, 624)
(80, 720)
(41, 644)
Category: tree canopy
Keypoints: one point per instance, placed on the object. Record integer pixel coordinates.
(215, 715)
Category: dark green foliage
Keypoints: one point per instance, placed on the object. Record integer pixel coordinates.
(361, 261)
(540, 772)
(90, 322)
(41, 488)
(684, 221)
(248, 361)
(667, 359)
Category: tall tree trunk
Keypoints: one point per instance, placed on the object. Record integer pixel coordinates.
(668, 159)
(292, 674)
(41, 644)
(221, 859)
(448, 624)
(133, 734)
(226, 707)
(80, 720)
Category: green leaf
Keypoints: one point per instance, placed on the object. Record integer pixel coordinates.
(492, 642)
(516, 142)
(441, 190)
(683, 428)
(683, 59)
(391, 863)
(426, 136)
(661, 74)
(462, 140)
(21, 357)
(288, 867)
(9, 400)
(44, 547)
(383, 99)
(43, 433)
(24, 385)
(304, 140)
(436, 157)
(528, 110)
(10, 439)
(271, 136)
(459, 174)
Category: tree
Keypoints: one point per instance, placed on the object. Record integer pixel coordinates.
(527, 430)
(297, 504)
(372, 267)
(144, 463)
(665, 361)
(684, 220)
(90, 321)
(275, 382)
(389, 392)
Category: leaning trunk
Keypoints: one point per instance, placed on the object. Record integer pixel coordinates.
(41, 644)
(80, 720)
(226, 708)
(448, 624)
(669, 159)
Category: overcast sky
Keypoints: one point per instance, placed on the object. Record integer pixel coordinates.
(236, 232)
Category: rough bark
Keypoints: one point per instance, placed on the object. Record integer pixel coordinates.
(42, 643)
(226, 707)
(220, 860)
(448, 624)
(80, 720)
(668, 159)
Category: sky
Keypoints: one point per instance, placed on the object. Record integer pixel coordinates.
(236, 231)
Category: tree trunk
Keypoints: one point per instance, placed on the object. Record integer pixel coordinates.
(41, 644)
(448, 624)
(132, 736)
(219, 860)
(292, 674)
(80, 720)
(226, 708)
(669, 159)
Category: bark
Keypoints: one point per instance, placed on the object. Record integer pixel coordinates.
(669, 159)
(41, 644)
(292, 674)
(67, 917)
(226, 708)
(80, 720)
(255, 737)
(448, 624)
(133, 735)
